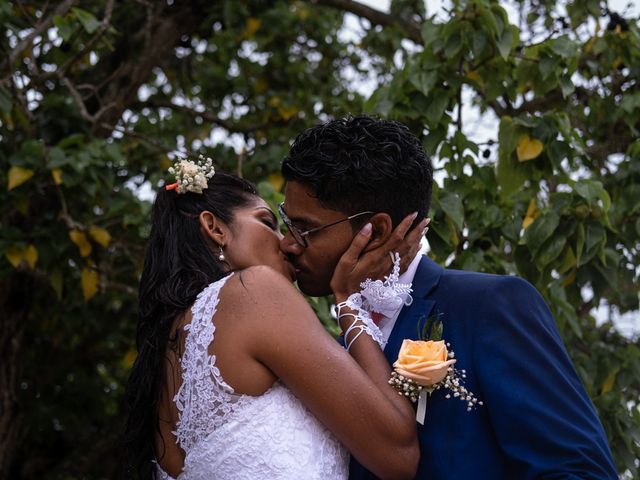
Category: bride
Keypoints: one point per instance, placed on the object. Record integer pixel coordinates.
(235, 376)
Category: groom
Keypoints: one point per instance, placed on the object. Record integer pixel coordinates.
(536, 420)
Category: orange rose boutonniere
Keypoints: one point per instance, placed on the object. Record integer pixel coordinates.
(427, 365)
(424, 362)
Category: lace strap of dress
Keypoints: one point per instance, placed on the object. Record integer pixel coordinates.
(202, 397)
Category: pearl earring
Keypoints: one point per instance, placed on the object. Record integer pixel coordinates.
(221, 256)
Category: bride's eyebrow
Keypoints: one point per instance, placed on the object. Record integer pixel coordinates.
(273, 215)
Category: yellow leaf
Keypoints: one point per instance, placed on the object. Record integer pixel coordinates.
(475, 76)
(165, 163)
(276, 180)
(261, 85)
(80, 239)
(16, 255)
(129, 358)
(302, 12)
(89, 280)
(525, 86)
(17, 176)
(31, 256)
(100, 235)
(528, 148)
(568, 262)
(56, 173)
(253, 24)
(589, 45)
(607, 385)
(617, 62)
(8, 120)
(274, 101)
(57, 282)
(455, 239)
(22, 205)
(287, 113)
(531, 215)
(570, 278)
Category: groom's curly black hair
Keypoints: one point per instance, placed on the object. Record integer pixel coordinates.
(362, 163)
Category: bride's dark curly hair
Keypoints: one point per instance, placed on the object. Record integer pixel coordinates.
(179, 264)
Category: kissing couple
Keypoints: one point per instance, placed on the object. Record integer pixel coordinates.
(236, 378)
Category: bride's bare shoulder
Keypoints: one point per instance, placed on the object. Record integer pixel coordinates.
(258, 284)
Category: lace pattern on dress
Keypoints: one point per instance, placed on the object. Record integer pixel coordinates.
(227, 436)
(204, 398)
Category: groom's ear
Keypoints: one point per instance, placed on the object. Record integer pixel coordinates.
(382, 228)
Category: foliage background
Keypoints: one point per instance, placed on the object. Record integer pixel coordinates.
(96, 96)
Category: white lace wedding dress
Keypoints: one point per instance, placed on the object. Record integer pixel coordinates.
(230, 436)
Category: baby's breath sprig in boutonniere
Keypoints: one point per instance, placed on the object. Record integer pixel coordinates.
(424, 366)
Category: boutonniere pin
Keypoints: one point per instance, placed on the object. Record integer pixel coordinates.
(424, 366)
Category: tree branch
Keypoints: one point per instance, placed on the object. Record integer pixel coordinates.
(62, 9)
(104, 25)
(205, 115)
(375, 16)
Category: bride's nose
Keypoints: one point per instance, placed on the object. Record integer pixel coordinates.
(289, 246)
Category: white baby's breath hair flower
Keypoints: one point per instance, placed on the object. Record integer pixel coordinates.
(191, 176)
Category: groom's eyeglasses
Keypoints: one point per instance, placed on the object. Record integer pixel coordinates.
(301, 236)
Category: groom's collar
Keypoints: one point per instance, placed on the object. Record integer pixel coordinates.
(426, 278)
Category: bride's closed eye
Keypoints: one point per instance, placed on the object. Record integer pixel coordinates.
(271, 223)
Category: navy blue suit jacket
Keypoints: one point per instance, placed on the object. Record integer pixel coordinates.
(537, 420)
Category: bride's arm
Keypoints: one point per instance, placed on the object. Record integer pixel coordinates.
(350, 395)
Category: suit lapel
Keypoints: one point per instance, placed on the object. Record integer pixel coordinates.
(413, 317)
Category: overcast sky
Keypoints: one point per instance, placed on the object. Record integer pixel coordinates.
(434, 5)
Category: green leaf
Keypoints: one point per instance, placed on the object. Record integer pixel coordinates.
(592, 191)
(452, 206)
(546, 66)
(6, 104)
(437, 107)
(88, 21)
(551, 250)
(505, 43)
(540, 230)
(65, 27)
(424, 81)
(557, 151)
(580, 238)
(595, 237)
(567, 86)
(429, 32)
(479, 43)
(453, 45)
(564, 47)
(510, 174)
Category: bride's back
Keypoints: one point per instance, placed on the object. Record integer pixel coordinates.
(223, 408)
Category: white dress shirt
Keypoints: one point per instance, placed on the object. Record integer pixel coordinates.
(386, 323)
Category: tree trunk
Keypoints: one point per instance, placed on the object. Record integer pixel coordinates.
(15, 296)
